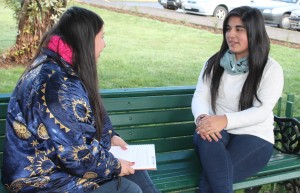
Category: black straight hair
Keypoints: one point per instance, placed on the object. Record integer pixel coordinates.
(78, 27)
(258, 48)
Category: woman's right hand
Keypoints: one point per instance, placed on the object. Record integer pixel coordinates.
(126, 168)
(210, 126)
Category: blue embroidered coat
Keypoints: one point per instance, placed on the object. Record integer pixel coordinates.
(50, 131)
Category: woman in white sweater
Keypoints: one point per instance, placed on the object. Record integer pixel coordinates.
(233, 102)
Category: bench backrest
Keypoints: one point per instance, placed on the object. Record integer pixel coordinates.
(160, 116)
(4, 99)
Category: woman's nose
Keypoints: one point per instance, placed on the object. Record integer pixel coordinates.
(232, 33)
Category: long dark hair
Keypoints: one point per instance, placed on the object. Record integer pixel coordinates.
(78, 27)
(258, 48)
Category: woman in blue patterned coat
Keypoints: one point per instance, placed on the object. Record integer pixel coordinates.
(58, 134)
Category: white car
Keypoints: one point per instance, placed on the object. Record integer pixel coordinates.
(295, 20)
(216, 8)
(277, 11)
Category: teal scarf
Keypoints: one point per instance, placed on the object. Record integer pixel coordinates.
(232, 66)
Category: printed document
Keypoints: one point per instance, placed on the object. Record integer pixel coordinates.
(143, 155)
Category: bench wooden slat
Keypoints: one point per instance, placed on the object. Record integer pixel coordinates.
(2, 126)
(151, 117)
(154, 91)
(147, 103)
(4, 98)
(3, 110)
(187, 180)
(280, 167)
(173, 167)
(1, 144)
(169, 144)
(1, 161)
(278, 177)
(175, 156)
(156, 131)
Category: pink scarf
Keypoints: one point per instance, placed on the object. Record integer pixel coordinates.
(57, 45)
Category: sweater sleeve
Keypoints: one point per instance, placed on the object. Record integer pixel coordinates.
(201, 99)
(269, 91)
(69, 123)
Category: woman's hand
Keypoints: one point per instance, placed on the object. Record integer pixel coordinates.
(210, 126)
(118, 141)
(126, 168)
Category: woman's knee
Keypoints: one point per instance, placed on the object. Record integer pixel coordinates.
(134, 188)
(130, 187)
(116, 186)
(143, 180)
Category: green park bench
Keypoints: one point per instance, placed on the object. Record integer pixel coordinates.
(162, 116)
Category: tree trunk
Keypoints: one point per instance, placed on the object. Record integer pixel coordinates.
(35, 18)
(22, 18)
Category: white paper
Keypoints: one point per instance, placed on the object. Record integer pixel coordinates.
(143, 155)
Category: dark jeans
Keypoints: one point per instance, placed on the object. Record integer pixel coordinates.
(137, 183)
(230, 160)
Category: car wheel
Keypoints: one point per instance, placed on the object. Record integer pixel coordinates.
(220, 12)
(285, 22)
(165, 6)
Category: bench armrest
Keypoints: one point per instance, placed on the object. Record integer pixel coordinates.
(287, 136)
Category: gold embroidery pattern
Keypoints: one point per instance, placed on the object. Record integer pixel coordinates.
(43, 90)
(107, 172)
(77, 153)
(91, 184)
(81, 181)
(61, 148)
(34, 143)
(40, 164)
(25, 182)
(81, 104)
(21, 130)
(87, 183)
(42, 132)
(89, 175)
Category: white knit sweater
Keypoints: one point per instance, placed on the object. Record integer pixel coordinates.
(257, 120)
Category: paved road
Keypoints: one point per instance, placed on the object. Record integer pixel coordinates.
(155, 9)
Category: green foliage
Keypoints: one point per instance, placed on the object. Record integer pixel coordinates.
(34, 18)
(52, 8)
(35, 6)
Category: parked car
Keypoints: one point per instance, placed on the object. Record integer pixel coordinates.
(295, 19)
(170, 4)
(277, 11)
(217, 8)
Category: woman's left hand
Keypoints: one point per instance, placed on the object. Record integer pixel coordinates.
(118, 141)
(210, 127)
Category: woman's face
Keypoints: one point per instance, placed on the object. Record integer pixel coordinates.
(99, 43)
(236, 37)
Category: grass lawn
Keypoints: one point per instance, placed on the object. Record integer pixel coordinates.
(143, 52)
